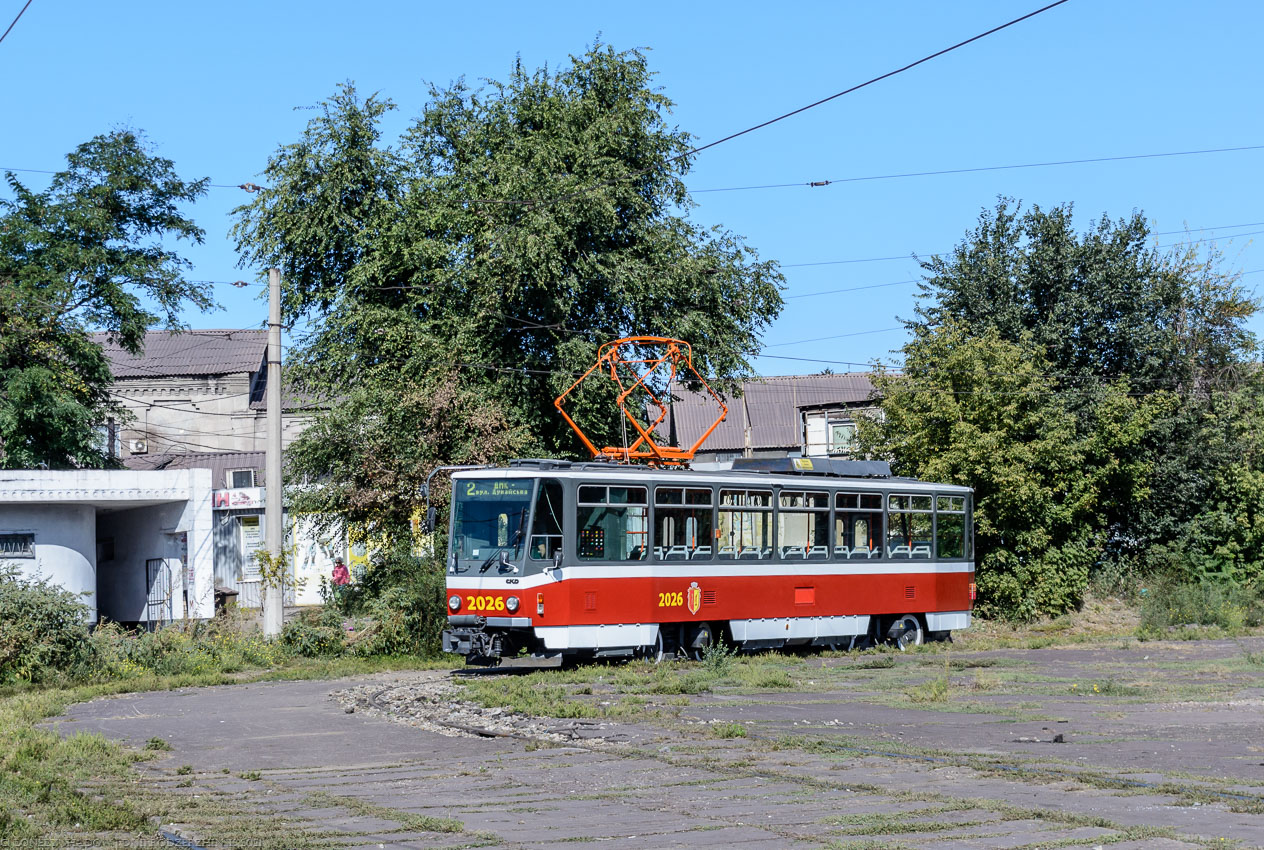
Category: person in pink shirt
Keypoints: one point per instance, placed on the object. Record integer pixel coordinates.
(341, 576)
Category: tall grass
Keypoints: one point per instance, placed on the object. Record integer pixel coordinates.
(1177, 609)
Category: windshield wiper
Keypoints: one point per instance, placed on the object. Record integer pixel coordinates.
(500, 553)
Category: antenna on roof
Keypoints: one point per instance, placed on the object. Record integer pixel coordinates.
(639, 369)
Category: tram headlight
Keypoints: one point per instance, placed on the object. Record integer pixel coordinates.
(454, 603)
(511, 604)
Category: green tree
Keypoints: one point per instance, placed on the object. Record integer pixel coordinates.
(1104, 304)
(483, 258)
(88, 253)
(984, 412)
(1101, 307)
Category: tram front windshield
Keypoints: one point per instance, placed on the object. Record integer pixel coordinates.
(490, 517)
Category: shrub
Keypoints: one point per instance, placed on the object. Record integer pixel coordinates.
(1170, 603)
(315, 633)
(407, 618)
(43, 631)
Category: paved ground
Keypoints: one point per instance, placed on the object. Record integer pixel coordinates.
(837, 762)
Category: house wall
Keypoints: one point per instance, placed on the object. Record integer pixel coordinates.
(65, 546)
(197, 414)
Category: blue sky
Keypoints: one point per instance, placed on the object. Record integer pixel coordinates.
(215, 86)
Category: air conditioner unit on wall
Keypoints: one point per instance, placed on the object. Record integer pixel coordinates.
(138, 447)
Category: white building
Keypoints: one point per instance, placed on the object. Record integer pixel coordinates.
(137, 545)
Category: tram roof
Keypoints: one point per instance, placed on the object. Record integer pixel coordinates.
(874, 473)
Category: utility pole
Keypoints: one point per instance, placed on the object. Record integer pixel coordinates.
(273, 592)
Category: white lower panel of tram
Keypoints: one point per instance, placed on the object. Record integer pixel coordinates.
(799, 628)
(597, 637)
(947, 621)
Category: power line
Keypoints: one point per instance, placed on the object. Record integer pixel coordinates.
(912, 254)
(830, 182)
(835, 336)
(693, 151)
(853, 288)
(870, 82)
(15, 21)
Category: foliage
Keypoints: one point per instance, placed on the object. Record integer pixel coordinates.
(82, 254)
(1104, 303)
(223, 645)
(42, 629)
(1094, 391)
(407, 618)
(1171, 603)
(459, 280)
(314, 633)
(982, 411)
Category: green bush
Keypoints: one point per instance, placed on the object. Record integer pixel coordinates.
(43, 631)
(222, 645)
(314, 633)
(1170, 603)
(407, 619)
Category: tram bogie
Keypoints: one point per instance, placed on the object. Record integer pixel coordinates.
(598, 560)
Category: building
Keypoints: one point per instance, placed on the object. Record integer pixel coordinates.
(199, 401)
(194, 392)
(137, 546)
(787, 416)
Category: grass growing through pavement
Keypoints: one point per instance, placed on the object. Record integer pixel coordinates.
(409, 821)
(83, 788)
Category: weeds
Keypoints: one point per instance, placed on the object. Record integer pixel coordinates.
(1187, 611)
(728, 730)
(718, 657)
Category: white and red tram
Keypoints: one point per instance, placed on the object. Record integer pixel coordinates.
(554, 558)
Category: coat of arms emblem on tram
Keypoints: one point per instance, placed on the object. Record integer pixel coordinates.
(693, 598)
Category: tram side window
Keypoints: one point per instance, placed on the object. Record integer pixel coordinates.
(803, 526)
(683, 523)
(546, 525)
(612, 523)
(950, 526)
(745, 529)
(858, 526)
(909, 523)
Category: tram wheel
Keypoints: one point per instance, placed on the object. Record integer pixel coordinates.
(906, 631)
(699, 638)
(656, 651)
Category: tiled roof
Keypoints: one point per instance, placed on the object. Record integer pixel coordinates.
(772, 405)
(170, 354)
(217, 462)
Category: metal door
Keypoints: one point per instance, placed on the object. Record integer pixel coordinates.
(158, 580)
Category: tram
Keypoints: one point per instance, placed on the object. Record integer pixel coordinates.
(568, 559)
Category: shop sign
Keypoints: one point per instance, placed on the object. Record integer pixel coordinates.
(236, 499)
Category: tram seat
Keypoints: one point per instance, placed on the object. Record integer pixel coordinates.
(818, 553)
(677, 553)
(793, 552)
(637, 553)
(750, 553)
(726, 552)
(875, 553)
(901, 551)
(702, 553)
(922, 551)
(842, 552)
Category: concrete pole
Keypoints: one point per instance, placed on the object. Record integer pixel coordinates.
(273, 597)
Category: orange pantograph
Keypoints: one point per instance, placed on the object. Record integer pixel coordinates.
(676, 358)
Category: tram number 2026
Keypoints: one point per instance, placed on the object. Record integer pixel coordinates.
(671, 599)
(485, 603)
